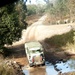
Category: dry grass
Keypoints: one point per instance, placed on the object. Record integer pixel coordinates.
(49, 20)
(10, 67)
(59, 41)
(69, 73)
(5, 69)
(31, 19)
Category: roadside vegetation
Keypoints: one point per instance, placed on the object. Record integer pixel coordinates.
(62, 42)
(5, 70)
(12, 22)
(60, 12)
(70, 73)
(34, 12)
(7, 67)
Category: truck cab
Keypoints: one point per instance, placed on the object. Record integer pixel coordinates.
(35, 54)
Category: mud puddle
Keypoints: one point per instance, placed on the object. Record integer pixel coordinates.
(26, 72)
(55, 69)
(60, 67)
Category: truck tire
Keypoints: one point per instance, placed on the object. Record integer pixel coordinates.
(43, 64)
(31, 65)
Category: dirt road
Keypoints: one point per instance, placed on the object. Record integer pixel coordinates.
(37, 31)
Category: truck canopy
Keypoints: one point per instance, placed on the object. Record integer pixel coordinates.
(33, 44)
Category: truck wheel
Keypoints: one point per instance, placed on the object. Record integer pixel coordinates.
(43, 64)
(31, 65)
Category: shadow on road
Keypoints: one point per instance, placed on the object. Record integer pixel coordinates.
(18, 51)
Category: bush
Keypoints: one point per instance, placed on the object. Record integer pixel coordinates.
(35, 9)
(6, 70)
(31, 9)
(6, 52)
(8, 67)
(59, 41)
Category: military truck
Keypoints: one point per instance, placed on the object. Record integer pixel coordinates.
(35, 54)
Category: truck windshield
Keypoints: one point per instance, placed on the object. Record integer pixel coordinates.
(36, 51)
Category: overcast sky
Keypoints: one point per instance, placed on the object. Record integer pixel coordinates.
(37, 1)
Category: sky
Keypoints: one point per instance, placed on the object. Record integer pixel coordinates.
(38, 1)
(35, 2)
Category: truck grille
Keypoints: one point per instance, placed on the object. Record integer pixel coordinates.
(38, 59)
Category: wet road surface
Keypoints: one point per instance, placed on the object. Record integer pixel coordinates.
(49, 69)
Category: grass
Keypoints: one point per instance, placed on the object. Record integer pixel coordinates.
(69, 73)
(31, 19)
(8, 67)
(5, 69)
(62, 41)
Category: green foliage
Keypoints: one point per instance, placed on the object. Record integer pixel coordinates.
(31, 9)
(61, 8)
(35, 9)
(21, 11)
(71, 7)
(40, 10)
(10, 26)
(8, 67)
(6, 70)
(51, 10)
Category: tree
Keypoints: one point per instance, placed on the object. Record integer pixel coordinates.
(47, 1)
(71, 7)
(61, 8)
(10, 28)
(31, 9)
(21, 9)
